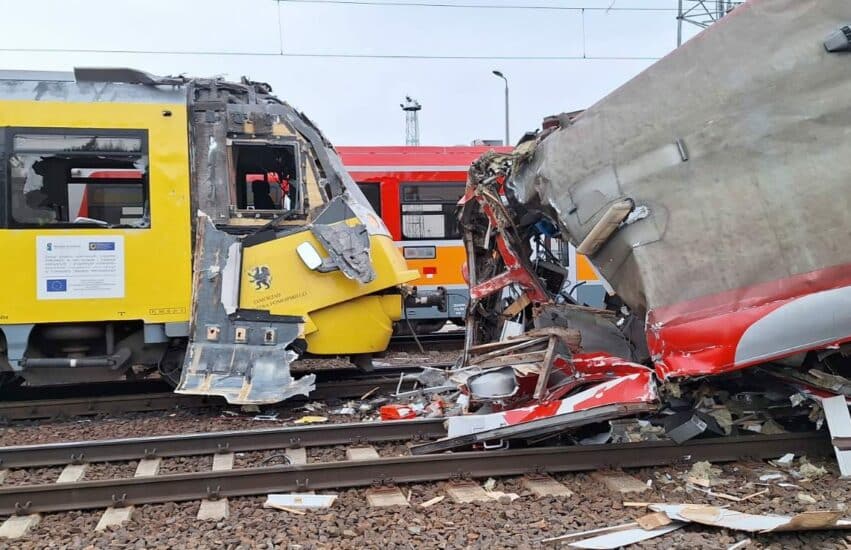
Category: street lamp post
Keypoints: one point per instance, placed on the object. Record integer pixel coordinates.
(507, 133)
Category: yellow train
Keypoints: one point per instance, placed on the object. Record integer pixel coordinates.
(110, 177)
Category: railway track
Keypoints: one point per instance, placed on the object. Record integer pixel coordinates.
(156, 395)
(78, 495)
(435, 341)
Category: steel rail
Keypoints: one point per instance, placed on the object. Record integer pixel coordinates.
(41, 409)
(445, 340)
(162, 446)
(351, 385)
(59, 497)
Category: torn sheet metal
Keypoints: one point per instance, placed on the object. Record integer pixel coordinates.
(740, 255)
(620, 539)
(535, 428)
(348, 250)
(240, 355)
(598, 329)
(753, 523)
(624, 396)
(585, 368)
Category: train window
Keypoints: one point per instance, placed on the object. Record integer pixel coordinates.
(79, 178)
(267, 176)
(372, 192)
(428, 210)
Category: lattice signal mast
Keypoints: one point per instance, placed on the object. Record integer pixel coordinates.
(412, 109)
(702, 13)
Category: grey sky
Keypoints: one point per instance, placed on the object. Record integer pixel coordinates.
(356, 101)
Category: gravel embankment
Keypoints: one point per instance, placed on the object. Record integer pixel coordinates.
(350, 523)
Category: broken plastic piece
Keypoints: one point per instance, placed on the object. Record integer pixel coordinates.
(397, 412)
(299, 500)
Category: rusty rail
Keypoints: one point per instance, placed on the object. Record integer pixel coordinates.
(336, 475)
(108, 450)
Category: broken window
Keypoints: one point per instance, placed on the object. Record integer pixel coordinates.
(266, 176)
(428, 210)
(80, 178)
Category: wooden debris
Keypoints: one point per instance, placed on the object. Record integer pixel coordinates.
(432, 501)
(653, 520)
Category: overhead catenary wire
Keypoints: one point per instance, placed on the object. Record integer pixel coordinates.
(374, 56)
(532, 7)
(338, 55)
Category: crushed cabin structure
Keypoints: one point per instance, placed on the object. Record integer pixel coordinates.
(718, 216)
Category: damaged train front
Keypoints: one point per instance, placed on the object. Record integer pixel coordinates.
(715, 215)
(289, 256)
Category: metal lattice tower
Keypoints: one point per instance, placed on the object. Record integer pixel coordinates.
(412, 108)
(702, 13)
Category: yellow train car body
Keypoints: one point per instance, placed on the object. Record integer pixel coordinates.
(161, 223)
(157, 259)
(339, 313)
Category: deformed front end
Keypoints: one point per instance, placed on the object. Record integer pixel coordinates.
(241, 355)
(288, 253)
(715, 206)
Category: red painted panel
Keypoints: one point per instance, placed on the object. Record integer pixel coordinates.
(700, 337)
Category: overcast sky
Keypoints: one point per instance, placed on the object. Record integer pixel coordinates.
(356, 101)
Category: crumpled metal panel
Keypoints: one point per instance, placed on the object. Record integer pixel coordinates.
(348, 249)
(735, 145)
(241, 356)
(209, 159)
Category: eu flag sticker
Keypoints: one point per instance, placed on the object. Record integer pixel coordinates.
(57, 285)
(101, 246)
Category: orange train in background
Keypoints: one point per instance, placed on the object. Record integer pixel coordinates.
(416, 190)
